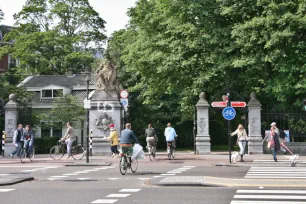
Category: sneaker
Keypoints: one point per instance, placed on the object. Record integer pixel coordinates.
(112, 156)
(12, 155)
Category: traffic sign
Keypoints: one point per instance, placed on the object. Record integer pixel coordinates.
(238, 104)
(229, 113)
(87, 104)
(124, 94)
(125, 103)
(219, 104)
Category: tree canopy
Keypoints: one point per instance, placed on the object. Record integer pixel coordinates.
(51, 36)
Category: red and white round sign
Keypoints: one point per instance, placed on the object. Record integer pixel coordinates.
(124, 94)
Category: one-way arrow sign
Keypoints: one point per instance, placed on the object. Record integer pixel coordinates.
(238, 104)
(219, 104)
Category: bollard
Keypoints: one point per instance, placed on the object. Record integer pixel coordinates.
(90, 144)
(3, 142)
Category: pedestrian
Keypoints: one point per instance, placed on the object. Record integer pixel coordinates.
(151, 138)
(18, 134)
(28, 138)
(170, 135)
(114, 141)
(242, 138)
(273, 140)
(69, 138)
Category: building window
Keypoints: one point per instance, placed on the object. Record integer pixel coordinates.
(52, 93)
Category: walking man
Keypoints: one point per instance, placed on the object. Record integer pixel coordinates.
(18, 135)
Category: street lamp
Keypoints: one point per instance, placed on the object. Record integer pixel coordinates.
(88, 78)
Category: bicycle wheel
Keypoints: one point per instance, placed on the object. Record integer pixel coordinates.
(23, 155)
(172, 153)
(150, 153)
(134, 166)
(123, 165)
(77, 152)
(56, 152)
(32, 155)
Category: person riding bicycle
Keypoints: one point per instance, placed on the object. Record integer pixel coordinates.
(28, 138)
(151, 138)
(170, 135)
(127, 138)
(69, 138)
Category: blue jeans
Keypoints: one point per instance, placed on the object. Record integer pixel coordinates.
(17, 150)
(274, 153)
(28, 146)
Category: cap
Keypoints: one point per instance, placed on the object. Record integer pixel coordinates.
(274, 123)
(111, 126)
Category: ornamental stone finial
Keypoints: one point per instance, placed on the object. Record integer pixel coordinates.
(13, 97)
(202, 96)
(253, 95)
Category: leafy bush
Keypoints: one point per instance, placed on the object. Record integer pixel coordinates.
(44, 144)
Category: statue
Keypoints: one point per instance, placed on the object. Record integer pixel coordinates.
(107, 77)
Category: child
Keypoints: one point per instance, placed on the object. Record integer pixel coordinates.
(114, 141)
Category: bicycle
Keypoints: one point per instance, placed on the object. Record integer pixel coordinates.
(25, 153)
(127, 163)
(57, 152)
(150, 149)
(170, 150)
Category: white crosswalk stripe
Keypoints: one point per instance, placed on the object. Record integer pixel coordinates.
(6, 190)
(278, 161)
(276, 173)
(269, 197)
(105, 201)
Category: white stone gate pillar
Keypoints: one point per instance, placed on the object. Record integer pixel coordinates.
(203, 137)
(11, 119)
(255, 142)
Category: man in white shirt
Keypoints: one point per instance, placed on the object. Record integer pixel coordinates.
(170, 135)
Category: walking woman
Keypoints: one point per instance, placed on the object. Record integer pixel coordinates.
(69, 138)
(114, 141)
(273, 140)
(242, 138)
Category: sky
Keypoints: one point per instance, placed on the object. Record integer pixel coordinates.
(112, 11)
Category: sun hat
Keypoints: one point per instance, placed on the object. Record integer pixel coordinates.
(274, 123)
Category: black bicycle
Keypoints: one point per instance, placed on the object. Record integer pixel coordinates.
(26, 152)
(58, 151)
(127, 163)
(170, 150)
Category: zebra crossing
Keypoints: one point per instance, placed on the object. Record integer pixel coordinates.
(276, 173)
(269, 197)
(278, 161)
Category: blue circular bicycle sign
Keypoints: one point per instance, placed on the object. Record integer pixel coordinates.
(229, 113)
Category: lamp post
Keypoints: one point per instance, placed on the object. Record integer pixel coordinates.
(88, 76)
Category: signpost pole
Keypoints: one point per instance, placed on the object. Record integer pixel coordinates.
(229, 127)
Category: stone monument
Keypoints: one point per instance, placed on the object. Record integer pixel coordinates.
(11, 119)
(105, 108)
(255, 141)
(203, 137)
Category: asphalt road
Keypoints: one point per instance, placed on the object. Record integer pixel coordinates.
(56, 183)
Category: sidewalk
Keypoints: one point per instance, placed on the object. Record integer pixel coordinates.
(12, 179)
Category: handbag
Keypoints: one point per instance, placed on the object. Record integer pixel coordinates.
(269, 144)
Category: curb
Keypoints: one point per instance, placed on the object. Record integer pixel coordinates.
(89, 164)
(17, 180)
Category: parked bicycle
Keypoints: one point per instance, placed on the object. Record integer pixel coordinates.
(57, 152)
(170, 150)
(26, 153)
(126, 162)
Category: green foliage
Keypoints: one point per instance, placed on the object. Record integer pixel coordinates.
(51, 36)
(65, 109)
(1, 15)
(44, 144)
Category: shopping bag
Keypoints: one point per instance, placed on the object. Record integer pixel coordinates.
(141, 155)
(136, 150)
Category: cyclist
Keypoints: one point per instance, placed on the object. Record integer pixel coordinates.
(151, 138)
(28, 138)
(170, 135)
(126, 139)
(69, 138)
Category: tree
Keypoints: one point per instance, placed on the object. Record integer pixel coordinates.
(1, 15)
(51, 36)
(65, 109)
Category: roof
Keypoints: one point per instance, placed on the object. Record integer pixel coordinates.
(59, 80)
(36, 99)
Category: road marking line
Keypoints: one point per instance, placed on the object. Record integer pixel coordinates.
(276, 197)
(5, 174)
(105, 201)
(83, 179)
(6, 190)
(28, 167)
(189, 166)
(273, 172)
(264, 202)
(275, 177)
(58, 176)
(157, 176)
(114, 178)
(273, 191)
(52, 179)
(174, 172)
(70, 174)
(126, 190)
(264, 174)
(167, 174)
(117, 195)
(143, 178)
(270, 167)
(28, 170)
